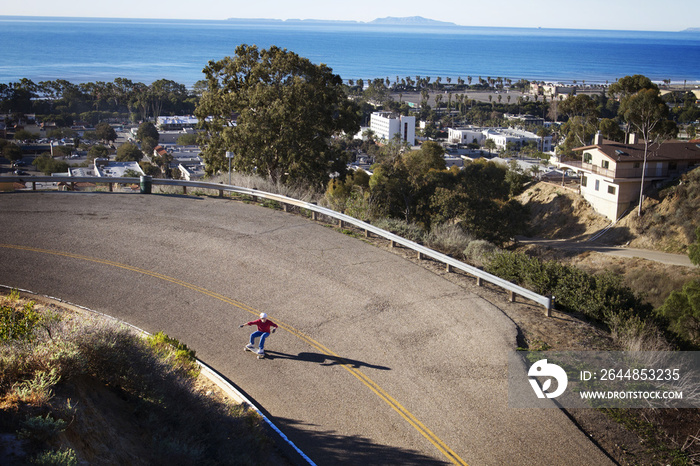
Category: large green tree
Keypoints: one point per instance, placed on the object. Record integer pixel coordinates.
(278, 113)
(128, 153)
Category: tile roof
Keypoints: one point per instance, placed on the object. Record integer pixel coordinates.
(670, 150)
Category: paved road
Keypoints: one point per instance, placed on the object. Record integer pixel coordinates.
(621, 251)
(380, 361)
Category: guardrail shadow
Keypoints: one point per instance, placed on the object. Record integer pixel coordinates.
(324, 360)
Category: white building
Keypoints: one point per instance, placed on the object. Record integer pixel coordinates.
(466, 135)
(385, 125)
(105, 168)
(501, 136)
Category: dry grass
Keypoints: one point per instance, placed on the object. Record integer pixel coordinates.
(102, 392)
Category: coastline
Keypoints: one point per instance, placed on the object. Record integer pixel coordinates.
(352, 51)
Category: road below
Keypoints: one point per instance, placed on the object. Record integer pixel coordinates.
(620, 251)
(379, 360)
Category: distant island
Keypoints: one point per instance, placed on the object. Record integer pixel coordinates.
(388, 21)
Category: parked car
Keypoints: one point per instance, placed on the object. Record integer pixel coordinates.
(20, 172)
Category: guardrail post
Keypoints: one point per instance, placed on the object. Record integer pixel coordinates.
(393, 243)
(340, 223)
(448, 268)
(221, 193)
(184, 189)
(284, 207)
(111, 187)
(550, 306)
(367, 234)
(314, 215)
(33, 185)
(512, 296)
(420, 256)
(479, 281)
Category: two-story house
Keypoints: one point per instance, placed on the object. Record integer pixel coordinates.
(611, 172)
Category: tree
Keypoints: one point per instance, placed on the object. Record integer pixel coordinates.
(490, 145)
(646, 112)
(147, 130)
(105, 132)
(128, 153)
(288, 112)
(12, 152)
(694, 249)
(682, 309)
(582, 113)
(97, 151)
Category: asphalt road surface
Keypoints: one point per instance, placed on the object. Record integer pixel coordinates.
(379, 361)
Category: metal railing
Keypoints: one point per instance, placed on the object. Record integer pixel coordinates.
(451, 263)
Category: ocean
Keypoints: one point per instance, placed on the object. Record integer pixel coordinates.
(90, 50)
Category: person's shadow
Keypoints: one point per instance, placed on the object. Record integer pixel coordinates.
(323, 360)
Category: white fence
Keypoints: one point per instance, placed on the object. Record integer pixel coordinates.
(451, 263)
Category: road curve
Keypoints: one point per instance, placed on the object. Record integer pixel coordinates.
(379, 361)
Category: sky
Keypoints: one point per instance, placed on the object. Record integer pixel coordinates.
(672, 15)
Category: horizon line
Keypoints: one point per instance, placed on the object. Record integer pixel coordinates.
(429, 22)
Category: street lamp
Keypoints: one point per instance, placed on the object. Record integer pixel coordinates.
(229, 156)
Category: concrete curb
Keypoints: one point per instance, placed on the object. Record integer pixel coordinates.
(206, 371)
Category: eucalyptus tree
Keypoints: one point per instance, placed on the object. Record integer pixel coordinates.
(278, 113)
(647, 113)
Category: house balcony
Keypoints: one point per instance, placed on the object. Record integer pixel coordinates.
(651, 172)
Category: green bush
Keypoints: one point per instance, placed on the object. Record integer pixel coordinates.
(18, 323)
(682, 309)
(596, 296)
(180, 357)
(409, 231)
(40, 429)
(56, 458)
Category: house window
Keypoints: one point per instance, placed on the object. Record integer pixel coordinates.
(606, 164)
(597, 185)
(611, 190)
(584, 181)
(587, 158)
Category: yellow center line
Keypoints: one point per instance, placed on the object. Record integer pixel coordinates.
(369, 383)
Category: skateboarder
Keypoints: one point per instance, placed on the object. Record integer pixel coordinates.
(265, 327)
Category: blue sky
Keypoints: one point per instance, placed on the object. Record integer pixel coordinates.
(672, 15)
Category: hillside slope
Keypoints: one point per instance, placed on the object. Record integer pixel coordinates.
(670, 216)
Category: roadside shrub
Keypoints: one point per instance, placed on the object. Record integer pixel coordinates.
(56, 458)
(409, 231)
(479, 252)
(682, 309)
(449, 239)
(596, 296)
(178, 355)
(18, 323)
(40, 429)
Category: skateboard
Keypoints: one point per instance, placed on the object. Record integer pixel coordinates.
(254, 351)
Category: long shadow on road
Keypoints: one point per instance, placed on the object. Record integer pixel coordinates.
(323, 360)
(328, 447)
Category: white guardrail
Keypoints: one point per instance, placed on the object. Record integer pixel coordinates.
(451, 263)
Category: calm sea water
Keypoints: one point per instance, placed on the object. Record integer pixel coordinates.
(84, 50)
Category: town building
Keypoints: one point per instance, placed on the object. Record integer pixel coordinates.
(386, 125)
(503, 137)
(176, 123)
(611, 172)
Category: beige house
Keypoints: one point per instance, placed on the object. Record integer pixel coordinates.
(611, 172)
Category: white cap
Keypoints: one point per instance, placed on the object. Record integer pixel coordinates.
(263, 315)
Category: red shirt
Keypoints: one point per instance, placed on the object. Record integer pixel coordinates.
(263, 326)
